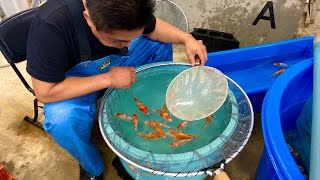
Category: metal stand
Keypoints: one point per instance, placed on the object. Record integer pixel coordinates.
(35, 118)
(35, 102)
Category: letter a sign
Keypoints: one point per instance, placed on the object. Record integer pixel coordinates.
(268, 6)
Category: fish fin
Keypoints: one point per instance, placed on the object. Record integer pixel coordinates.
(164, 108)
(198, 136)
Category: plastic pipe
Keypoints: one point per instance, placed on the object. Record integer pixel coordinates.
(315, 131)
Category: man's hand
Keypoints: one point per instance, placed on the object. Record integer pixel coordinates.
(122, 77)
(194, 47)
(72, 87)
(167, 33)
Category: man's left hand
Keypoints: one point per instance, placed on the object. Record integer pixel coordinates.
(194, 47)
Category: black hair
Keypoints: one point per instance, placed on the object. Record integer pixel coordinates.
(109, 15)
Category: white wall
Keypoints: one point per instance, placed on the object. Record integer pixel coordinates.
(11, 7)
(237, 16)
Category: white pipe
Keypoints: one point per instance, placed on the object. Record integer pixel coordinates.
(315, 130)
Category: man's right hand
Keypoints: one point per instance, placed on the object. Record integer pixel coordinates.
(72, 87)
(122, 77)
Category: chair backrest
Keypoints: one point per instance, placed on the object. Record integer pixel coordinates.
(14, 35)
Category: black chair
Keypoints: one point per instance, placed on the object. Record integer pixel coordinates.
(13, 43)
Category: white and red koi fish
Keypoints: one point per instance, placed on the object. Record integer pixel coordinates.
(141, 106)
(208, 120)
(123, 116)
(154, 123)
(180, 135)
(150, 136)
(163, 113)
(135, 121)
(278, 72)
(183, 124)
(279, 64)
(179, 142)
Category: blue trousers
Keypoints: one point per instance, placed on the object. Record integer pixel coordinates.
(70, 122)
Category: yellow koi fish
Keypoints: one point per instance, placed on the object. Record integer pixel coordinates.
(163, 113)
(150, 136)
(208, 120)
(180, 135)
(179, 142)
(141, 106)
(278, 72)
(159, 131)
(123, 116)
(183, 124)
(154, 123)
(135, 121)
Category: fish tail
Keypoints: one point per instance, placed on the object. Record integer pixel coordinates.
(172, 129)
(198, 135)
(164, 108)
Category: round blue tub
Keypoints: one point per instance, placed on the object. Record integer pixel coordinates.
(282, 106)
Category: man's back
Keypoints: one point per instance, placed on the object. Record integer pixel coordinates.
(53, 46)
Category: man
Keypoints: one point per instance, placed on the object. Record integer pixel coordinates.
(68, 84)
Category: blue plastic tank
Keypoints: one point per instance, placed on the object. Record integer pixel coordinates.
(281, 108)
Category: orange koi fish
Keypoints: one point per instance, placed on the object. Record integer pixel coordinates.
(135, 121)
(159, 131)
(123, 116)
(163, 113)
(141, 106)
(180, 135)
(279, 64)
(278, 72)
(150, 136)
(208, 120)
(183, 124)
(179, 142)
(154, 123)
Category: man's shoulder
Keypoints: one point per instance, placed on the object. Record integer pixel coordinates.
(54, 12)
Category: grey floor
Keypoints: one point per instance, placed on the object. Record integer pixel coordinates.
(29, 153)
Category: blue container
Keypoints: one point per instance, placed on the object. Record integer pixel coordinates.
(282, 106)
(252, 67)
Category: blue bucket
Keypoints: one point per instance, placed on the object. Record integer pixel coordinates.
(281, 108)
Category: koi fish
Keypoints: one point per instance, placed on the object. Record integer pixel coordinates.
(141, 106)
(135, 121)
(180, 135)
(179, 142)
(123, 116)
(279, 64)
(278, 72)
(183, 124)
(163, 113)
(154, 123)
(150, 136)
(159, 131)
(208, 120)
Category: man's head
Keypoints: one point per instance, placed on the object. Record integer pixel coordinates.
(116, 22)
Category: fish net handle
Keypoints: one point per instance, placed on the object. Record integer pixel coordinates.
(197, 60)
(219, 173)
(135, 169)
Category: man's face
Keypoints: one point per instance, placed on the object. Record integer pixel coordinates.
(117, 38)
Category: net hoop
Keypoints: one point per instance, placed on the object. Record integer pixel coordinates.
(184, 15)
(178, 174)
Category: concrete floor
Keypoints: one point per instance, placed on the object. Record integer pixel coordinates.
(30, 153)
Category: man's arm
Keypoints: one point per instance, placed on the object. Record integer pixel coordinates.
(167, 33)
(72, 87)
